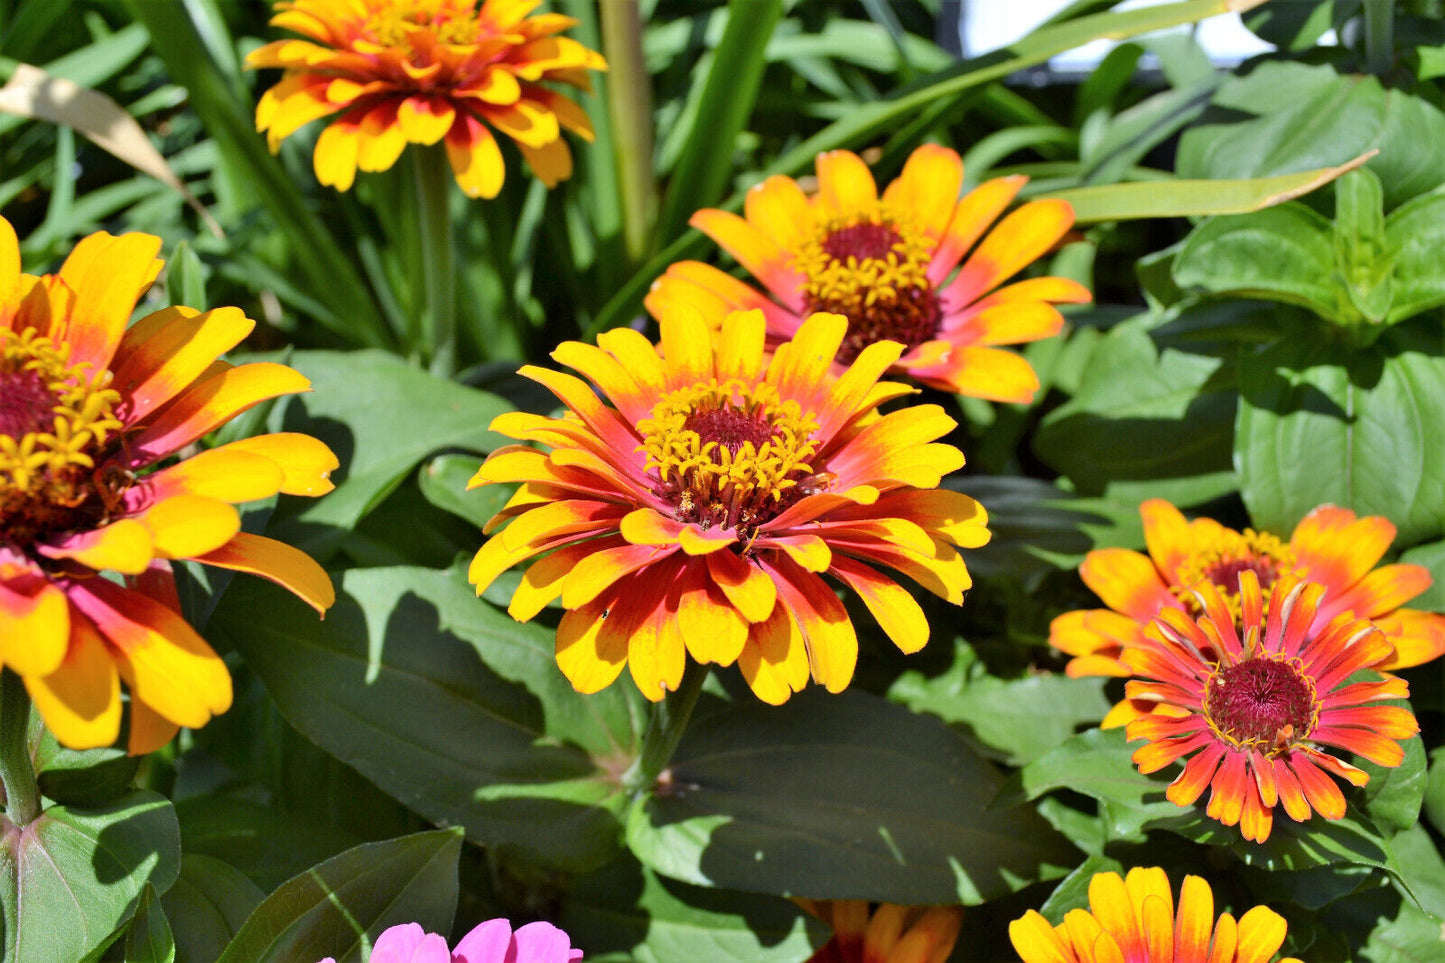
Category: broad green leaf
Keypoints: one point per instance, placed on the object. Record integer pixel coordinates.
(447, 704)
(626, 908)
(263, 843)
(207, 906)
(1432, 556)
(1035, 526)
(381, 416)
(91, 777)
(1283, 254)
(1307, 117)
(149, 939)
(1414, 233)
(443, 482)
(1393, 796)
(1418, 860)
(1098, 764)
(838, 796)
(1073, 892)
(1187, 197)
(1434, 803)
(74, 876)
(1141, 414)
(1021, 719)
(1319, 422)
(337, 908)
(1361, 252)
(1411, 937)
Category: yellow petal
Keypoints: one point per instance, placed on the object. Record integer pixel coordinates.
(122, 546)
(288, 567)
(80, 700)
(34, 629)
(190, 525)
(306, 463)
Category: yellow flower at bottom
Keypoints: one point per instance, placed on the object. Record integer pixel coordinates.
(888, 934)
(423, 72)
(697, 516)
(89, 411)
(1133, 920)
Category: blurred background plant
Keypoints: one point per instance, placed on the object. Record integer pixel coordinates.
(1256, 347)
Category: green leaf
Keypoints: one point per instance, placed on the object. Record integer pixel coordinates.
(1286, 253)
(207, 906)
(149, 939)
(74, 876)
(91, 777)
(1036, 527)
(1320, 422)
(263, 843)
(1414, 234)
(729, 91)
(368, 406)
(443, 482)
(185, 278)
(1020, 718)
(1393, 796)
(1411, 937)
(1434, 803)
(447, 705)
(1189, 197)
(343, 904)
(1361, 251)
(1098, 764)
(1307, 117)
(837, 796)
(1141, 414)
(626, 908)
(1421, 867)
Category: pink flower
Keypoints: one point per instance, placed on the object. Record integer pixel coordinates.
(490, 942)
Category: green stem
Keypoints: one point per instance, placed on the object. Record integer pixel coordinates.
(22, 796)
(432, 186)
(1379, 35)
(669, 720)
(629, 107)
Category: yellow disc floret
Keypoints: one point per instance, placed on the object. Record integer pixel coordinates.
(872, 268)
(1225, 556)
(53, 417)
(448, 21)
(730, 455)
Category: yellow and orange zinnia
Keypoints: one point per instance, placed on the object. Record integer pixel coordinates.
(888, 934)
(423, 72)
(697, 516)
(1252, 708)
(887, 264)
(1133, 920)
(88, 408)
(1329, 546)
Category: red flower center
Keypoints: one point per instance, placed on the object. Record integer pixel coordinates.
(873, 270)
(861, 241)
(729, 428)
(1262, 703)
(1225, 572)
(26, 404)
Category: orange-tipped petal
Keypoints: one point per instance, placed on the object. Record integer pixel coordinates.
(288, 567)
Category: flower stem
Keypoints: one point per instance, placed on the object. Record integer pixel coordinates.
(22, 796)
(664, 731)
(629, 107)
(431, 186)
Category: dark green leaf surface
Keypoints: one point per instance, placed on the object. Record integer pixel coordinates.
(838, 796)
(445, 703)
(1321, 424)
(207, 905)
(149, 939)
(73, 876)
(337, 907)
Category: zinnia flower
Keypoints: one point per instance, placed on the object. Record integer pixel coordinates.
(698, 514)
(1329, 546)
(889, 934)
(423, 71)
(885, 264)
(88, 408)
(489, 942)
(1252, 708)
(1133, 920)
